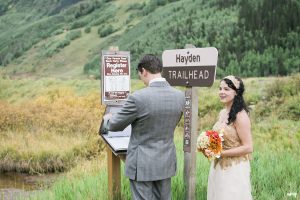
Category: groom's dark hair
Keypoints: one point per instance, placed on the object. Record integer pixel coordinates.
(151, 63)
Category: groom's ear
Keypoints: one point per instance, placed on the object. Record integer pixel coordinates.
(144, 71)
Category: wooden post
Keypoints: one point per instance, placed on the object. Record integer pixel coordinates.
(190, 153)
(114, 175)
(113, 48)
(113, 166)
(190, 157)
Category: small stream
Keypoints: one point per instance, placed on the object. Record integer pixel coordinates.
(16, 185)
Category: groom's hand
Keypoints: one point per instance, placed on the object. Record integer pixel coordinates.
(107, 116)
(104, 123)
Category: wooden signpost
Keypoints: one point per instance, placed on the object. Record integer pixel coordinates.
(191, 67)
(115, 89)
(114, 175)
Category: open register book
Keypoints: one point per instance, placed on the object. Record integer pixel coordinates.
(117, 141)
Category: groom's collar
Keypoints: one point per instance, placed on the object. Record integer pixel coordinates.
(156, 80)
(159, 83)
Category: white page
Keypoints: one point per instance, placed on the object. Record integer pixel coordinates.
(125, 133)
(118, 143)
(116, 83)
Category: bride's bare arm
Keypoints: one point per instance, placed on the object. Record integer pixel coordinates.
(243, 127)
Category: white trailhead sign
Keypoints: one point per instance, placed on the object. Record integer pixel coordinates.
(190, 67)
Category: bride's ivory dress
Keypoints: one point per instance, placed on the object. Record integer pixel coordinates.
(229, 177)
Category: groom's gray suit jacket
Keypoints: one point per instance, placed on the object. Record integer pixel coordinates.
(153, 113)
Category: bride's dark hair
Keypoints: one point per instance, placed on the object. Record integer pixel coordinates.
(238, 101)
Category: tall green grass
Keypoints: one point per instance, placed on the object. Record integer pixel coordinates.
(273, 176)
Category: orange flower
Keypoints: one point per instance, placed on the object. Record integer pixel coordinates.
(214, 143)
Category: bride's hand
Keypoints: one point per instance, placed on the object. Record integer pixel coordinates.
(207, 153)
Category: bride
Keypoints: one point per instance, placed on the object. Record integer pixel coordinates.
(229, 176)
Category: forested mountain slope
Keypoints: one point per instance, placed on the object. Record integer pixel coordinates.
(64, 38)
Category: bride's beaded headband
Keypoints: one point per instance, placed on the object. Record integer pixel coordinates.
(234, 80)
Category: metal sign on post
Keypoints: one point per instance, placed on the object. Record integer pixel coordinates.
(115, 76)
(187, 121)
(191, 67)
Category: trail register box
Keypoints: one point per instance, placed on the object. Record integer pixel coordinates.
(115, 79)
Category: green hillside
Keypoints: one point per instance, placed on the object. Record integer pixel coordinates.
(63, 38)
(55, 38)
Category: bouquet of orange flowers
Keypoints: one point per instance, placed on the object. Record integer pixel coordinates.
(210, 140)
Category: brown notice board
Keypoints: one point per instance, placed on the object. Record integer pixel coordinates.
(115, 77)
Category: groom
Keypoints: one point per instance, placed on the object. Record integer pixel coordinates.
(153, 113)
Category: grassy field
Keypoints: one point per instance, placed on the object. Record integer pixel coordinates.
(274, 175)
(39, 117)
(51, 125)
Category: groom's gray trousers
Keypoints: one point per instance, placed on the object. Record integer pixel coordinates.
(151, 190)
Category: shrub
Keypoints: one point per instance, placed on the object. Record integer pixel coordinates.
(102, 19)
(73, 35)
(92, 67)
(106, 31)
(78, 24)
(57, 32)
(262, 109)
(63, 43)
(7, 59)
(290, 109)
(87, 67)
(282, 99)
(87, 29)
(51, 51)
(13, 118)
(135, 6)
(284, 87)
(58, 111)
